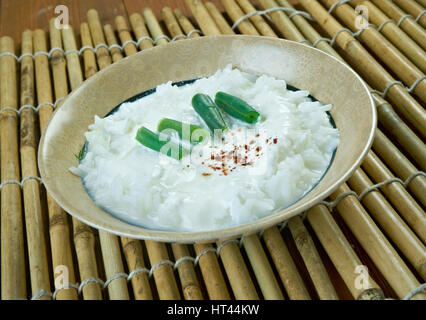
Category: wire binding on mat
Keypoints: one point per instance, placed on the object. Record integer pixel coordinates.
(101, 45)
(20, 183)
(87, 281)
(417, 290)
(180, 260)
(331, 205)
(42, 293)
(420, 15)
(319, 40)
(64, 286)
(405, 16)
(339, 32)
(379, 28)
(336, 4)
(391, 84)
(36, 109)
(266, 11)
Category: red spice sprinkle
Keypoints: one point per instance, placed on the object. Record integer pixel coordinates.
(275, 140)
(258, 149)
(206, 174)
(258, 135)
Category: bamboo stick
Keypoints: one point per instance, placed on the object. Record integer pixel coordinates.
(400, 165)
(396, 229)
(57, 61)
(408, 24)
(342, 254)
(111, 40)
(124, 35)
(171, 23)
(400, 132)
(59, 228)
(376, 245)
(285, 265)
(189, 282)
(84, 239)
(153, 26)
(312, 260)
(98, 38)
(394, 34)
(203, 18)
(422, 2)
(111, 253)
(261, 25)
(34, 220)
(391, 56)
(237, 272)
(133, 252)
(217, 16)
(262, 269)
(163, 274)
(84, 242)
(138, 26)
(413, 8)
(235, 13)
(397, 194)
(283, 23)
(13, 273)
(73, 59)
(372, 71)
(89, 58)
(185, 24)
(212, 275)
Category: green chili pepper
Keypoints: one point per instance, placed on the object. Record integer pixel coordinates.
(180, 127)
(152, 140)
(236, 107)
(208, 111)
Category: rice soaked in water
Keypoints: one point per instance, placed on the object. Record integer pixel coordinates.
(247, 173)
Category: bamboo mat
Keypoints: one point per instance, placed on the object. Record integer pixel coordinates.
(367, 241)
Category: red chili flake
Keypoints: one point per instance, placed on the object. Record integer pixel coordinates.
(258, 149)
(202, 162)
(275, 140)
(212, 157)
(258, 135)
(206, 174)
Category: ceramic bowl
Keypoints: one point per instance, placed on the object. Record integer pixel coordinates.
(326, 78)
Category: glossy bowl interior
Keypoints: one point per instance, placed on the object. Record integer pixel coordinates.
(326, 78)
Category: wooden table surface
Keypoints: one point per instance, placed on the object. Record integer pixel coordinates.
(18, 15)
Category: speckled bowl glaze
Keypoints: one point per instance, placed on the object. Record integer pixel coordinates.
(326, 78)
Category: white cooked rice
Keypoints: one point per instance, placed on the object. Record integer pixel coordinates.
(135, 184)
